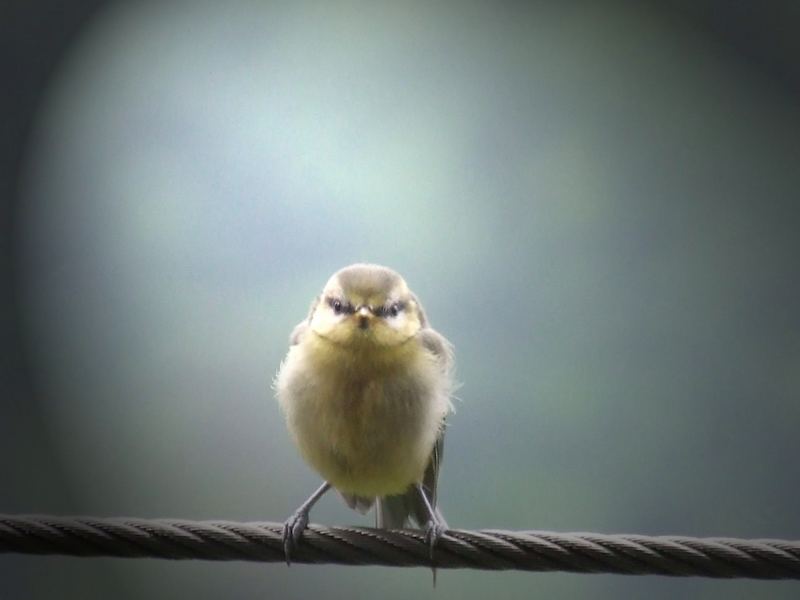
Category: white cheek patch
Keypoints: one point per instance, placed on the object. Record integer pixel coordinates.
(326, 318)
(399, 322)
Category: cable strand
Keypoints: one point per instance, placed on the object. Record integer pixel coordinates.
(180, 539)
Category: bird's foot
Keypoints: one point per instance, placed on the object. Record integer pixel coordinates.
(292, 532)
(434, 531)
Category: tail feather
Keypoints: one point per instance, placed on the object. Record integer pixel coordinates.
(396, 512)
(359, 503)
(392, 512)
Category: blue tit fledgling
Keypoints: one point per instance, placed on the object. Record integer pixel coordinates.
(365, 389)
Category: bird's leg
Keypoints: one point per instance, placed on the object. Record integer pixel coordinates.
(295, 525)
(436, 526)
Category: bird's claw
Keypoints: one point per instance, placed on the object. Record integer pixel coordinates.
(434, 531)
(292, 532)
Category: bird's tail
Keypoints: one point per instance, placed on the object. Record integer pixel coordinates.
(396, 512)
(392, 512)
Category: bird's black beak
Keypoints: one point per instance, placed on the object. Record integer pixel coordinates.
(364, 317)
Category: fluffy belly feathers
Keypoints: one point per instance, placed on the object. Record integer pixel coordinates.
(367, 431)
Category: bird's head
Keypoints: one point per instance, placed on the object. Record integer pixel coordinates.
(367, 306)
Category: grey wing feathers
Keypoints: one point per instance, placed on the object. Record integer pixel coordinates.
(394, 511)
(438, 345)
(430, 482)
(300, 329)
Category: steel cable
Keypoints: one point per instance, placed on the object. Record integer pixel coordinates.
(458, 549)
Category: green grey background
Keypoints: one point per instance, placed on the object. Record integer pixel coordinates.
(596, 203)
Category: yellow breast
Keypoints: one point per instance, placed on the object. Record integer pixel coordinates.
(365, 420)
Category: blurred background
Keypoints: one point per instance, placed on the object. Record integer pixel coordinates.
(597, 203)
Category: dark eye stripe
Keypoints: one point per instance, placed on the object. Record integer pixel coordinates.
(389, 311)
(340, 307)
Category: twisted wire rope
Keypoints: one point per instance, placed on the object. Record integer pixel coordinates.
(459, 549)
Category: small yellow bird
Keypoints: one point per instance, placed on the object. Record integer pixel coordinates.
(365, 389)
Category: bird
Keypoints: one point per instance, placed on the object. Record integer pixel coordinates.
(365, 390)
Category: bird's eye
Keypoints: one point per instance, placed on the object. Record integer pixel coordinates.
(337, 306)
(394, 309)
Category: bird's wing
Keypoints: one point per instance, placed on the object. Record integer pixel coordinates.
(442, 350)
(300, 329)
(394, 511)
(438, 345)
